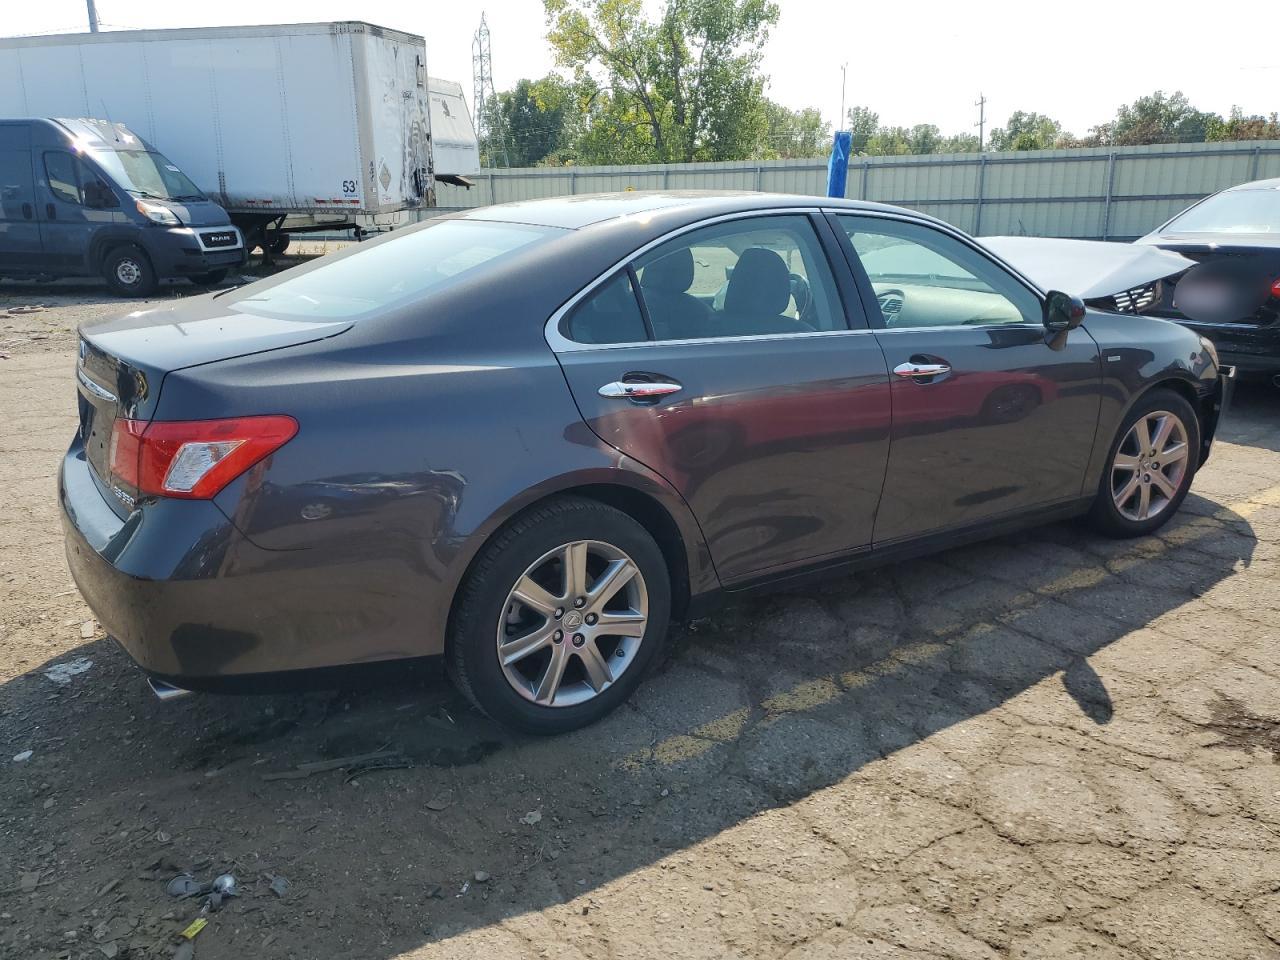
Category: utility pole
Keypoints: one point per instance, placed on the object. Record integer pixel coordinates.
(844, 70)
(93, 16)
(981, 104)
(488, 121)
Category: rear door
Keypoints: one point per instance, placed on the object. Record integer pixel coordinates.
(991, 417)
(19, 228)
(725, 361)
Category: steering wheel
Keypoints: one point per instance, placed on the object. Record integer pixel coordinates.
(802, 294)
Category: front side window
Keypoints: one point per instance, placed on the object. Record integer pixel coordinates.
(923, 277)
(758, 276)
(60, 169)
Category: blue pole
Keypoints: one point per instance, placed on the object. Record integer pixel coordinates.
(838, 165)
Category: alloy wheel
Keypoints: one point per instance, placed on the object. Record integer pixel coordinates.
(1149, 465)
(573, 623)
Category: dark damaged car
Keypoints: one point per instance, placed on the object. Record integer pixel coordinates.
(1215, 268)
(529, 437)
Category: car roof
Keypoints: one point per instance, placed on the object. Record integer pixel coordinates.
(1271, 184)
(584, 210)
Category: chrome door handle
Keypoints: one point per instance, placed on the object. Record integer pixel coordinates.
(638, 389)
(910, 369)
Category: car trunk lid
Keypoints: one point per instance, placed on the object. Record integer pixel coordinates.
(1232, 282)
(122, 364)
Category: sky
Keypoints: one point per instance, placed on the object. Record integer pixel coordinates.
(911, 61)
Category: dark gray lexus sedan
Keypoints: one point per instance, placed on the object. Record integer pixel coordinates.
(528, 437)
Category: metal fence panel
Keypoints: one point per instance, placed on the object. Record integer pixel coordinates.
(1108, 193)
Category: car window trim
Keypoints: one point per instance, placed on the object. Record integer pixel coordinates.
(872, 304)
(75, 172)
(559, 343)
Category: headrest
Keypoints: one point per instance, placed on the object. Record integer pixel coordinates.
(760, 284)
(672, 274)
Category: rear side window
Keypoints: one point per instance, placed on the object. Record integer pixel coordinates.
(610, 315)
(393, 272)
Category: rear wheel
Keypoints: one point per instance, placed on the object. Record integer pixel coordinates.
(562, 614)
(1149, 468)
(128, 272)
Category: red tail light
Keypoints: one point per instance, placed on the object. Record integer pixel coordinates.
(1275, 288)
(192, 459)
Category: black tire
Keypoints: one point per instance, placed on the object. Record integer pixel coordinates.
(210, 279)
(279, 243)
(128, 272)
(1105, 516)
(481, 606)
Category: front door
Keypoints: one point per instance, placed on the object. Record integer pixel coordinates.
(991, 417)
(19, 228)
(75, 200)
(724, 361)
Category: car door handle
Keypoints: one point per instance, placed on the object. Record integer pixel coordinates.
(27, 212)
(910, 369)
(51, 211)
(639, 389)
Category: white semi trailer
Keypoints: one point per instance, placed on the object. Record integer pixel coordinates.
(290, 128)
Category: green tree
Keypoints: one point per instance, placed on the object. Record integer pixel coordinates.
(1027, 131)
(794, 133)
(863, 124)
(532, 117)
(1156, 118)
(1239, 127)
(686, 86)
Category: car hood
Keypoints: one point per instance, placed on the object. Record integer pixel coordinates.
(1088, 269)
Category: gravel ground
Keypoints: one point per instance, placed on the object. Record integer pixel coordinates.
(1044, 746)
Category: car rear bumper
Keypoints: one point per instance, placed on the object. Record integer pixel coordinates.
(194, 602)
(1244, 346)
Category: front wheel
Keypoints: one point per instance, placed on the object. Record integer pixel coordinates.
(129, 273)
(1149, 467)
(564, 611)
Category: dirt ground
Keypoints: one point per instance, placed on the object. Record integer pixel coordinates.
(1046, 746)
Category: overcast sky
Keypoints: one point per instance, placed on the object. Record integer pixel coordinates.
(912, 61)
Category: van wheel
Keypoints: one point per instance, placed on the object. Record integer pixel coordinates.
(210, 279)
(129, 273)
(561, 615)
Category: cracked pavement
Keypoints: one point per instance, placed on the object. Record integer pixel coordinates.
(1044, 746)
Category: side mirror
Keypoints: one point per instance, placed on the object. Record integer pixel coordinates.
(1062, 311)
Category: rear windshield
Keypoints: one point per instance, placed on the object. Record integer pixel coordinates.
(1237, 211)
(385, 275)
(148, 174)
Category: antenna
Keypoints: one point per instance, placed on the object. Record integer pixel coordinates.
(488, 121)
(981, 104)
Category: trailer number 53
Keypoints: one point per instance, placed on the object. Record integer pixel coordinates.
(348, 186)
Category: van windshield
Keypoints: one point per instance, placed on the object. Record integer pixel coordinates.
(148, 174)
(389, 272)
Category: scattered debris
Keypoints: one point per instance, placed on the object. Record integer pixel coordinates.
(109, 950)
(279, 886)
(184, 885)
(532, 817)
(481, 877)
(435, 891)
(465, 887)
(88, 629)
(225, 885)
(162, 837)
(396, 762)
(23, 757)
(196, 925)
(323, 766)
(61, 673)
(440, 802)
(28, 882)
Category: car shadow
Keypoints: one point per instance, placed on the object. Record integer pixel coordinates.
(772, 699)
